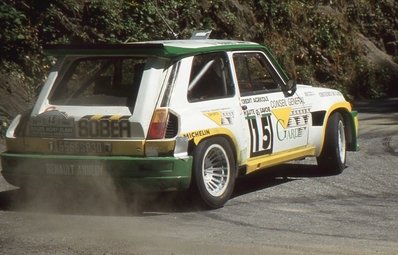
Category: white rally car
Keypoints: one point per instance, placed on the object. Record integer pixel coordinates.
(174, 115)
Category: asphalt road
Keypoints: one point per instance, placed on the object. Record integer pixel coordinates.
(290, 209)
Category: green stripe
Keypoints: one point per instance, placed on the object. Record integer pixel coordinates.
(152, 173)
(354, 145)
(85, 157)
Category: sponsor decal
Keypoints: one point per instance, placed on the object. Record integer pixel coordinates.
(291, 123)
(52, 124)
(257, 110)
(198, 133)
(295, 101)
(291, 116)
(279, 103)
(291, 133)
(256, 99)
(74, 169)
(109, 126)
(329, 93)
(214, 116)
(282, 115)
(260, 99)
(227, 118)
(221, 118)
(309, 93)
(286, 102)
(261, 111)
(56, 124)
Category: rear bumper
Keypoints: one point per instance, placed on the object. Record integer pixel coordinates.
(143, 173)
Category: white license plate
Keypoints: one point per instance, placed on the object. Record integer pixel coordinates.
(84, 147)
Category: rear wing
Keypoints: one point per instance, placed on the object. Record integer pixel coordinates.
(161, 49)
(140, 49)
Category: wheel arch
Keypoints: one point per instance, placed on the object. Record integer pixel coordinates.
(193, 143)
(350, 124)
(350, 129)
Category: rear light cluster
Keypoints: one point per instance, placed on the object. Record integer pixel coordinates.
(163, 125)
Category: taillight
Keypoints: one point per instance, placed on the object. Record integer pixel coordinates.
(158, 126)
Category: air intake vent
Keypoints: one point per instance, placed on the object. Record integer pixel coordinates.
(172, 126)
(318, 117)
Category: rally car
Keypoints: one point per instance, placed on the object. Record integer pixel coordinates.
(174, 115)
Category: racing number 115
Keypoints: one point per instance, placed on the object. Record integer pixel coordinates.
(260, 135)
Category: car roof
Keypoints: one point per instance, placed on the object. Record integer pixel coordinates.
(165, 48)
(170, 49)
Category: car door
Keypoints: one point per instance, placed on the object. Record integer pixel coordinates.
(276, 121)
(207, 101)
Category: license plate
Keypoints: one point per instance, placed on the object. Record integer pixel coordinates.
(84, 147)
(69, 169)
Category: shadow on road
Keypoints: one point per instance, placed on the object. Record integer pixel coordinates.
(388, 105)
(274, 176)
(94, 202)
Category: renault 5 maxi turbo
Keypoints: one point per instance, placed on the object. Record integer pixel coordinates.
(174, 115)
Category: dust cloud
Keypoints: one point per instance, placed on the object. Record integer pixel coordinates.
(91, 195)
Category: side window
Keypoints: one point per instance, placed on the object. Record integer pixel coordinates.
(210, 77)
(253, 74)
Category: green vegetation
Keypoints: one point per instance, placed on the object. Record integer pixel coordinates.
(317, 41)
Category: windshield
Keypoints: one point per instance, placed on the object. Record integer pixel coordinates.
(99, 81)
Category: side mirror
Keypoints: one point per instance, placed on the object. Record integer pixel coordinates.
(290, 88)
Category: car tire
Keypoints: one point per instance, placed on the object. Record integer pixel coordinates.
(214, 172)
(332, 159)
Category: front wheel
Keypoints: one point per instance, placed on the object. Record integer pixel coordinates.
(214, 172)
(333, 156)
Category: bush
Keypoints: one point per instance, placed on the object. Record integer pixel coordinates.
(315, 42)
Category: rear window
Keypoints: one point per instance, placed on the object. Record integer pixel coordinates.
(107, 81)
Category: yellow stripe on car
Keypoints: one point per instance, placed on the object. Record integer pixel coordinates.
(261, 162)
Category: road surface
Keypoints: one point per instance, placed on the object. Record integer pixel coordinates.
(289, 209)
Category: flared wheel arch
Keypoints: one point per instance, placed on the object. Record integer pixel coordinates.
(349, 127)
(193, 144)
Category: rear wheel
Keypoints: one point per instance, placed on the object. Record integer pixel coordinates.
(214, 172)
(333, 156)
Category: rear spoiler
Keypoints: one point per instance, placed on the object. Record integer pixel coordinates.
(140, 49)
(163, 49)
